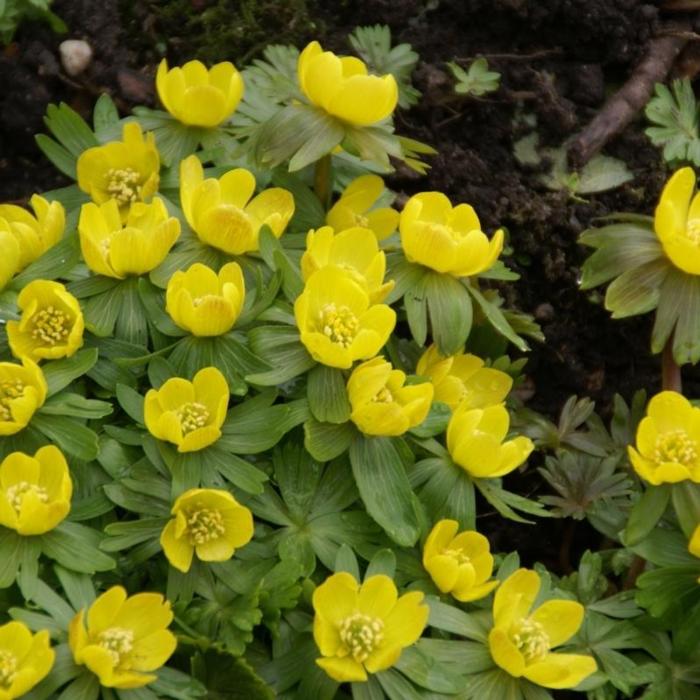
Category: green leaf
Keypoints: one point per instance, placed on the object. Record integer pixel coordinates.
(685, 497)
(78, 587)
(345, 560)
(497, 319)
(428, 673)
(327, 395)
(70, 435)
(435, 422)
(383, 562)
(381, 479)
(279, 347)
(646, 513)
(298, 132)
(416, 304)
(228, 677)
(60, 373)
(450, 309)
(238, 471)
(10, 555)
(326, 441)
(505, 502)
(69, 128)
(396, 686)
(56, 262)
(57, 154)
(84, 687)
(76, 547)
(104, 115)
(637, 290)
(309, 212)
(477, 80)
(76, 406)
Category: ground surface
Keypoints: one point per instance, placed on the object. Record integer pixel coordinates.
(559, 59)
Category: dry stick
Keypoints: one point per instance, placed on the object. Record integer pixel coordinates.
(622, 107)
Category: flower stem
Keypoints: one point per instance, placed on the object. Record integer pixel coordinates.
(322, 180)
(670, 371)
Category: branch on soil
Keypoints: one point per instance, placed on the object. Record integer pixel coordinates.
(622, 107)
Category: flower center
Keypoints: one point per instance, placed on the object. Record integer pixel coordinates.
(205, 525)
(458, 555)
(361, 220)
(446, 231)
(16, 493)
(117, 641)
(692, 231)
(122, 184)
(339, 324)
(361, 634)
(50, 325)
(384, 395)
(8, 668)
(531, 639)
(192, 416)
(9, 390)
(675, 446)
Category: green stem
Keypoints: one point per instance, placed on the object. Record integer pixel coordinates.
(322, 180)
(670, 371)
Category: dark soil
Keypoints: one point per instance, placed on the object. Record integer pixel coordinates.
(558, 59)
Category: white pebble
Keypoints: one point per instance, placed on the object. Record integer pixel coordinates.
(76, 55)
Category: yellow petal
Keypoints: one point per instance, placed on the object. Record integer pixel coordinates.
(105, 609)
(505, 653)
(178, 550)
(560, 671)
(152, 651)
(377, 596)
(444, 571)
(406, 621)
(560, 619)
(515, 597)
(343, 670)
(336, 598)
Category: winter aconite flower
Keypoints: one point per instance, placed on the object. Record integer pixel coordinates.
(9, 260)
(355, 250)
(137, 246)
(25, 659)
(694, 544)
(51, 325)
(34, 235)
(522, 640)
(460, 564)
(188, 414)
(125, 639)
(22, 391)
(381, 403)
(355, 208)
(197, 96)
(445, 238)
(361, 629)
(677, 221)
(668, 441)
(475, 441)
(35, 492)
(463, 379)
(204, 303)
(222, 213)
(336, 321)
(126, 171)
(341, 86)
(208, 522)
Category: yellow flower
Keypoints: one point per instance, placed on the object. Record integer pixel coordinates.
(475, 442)
(341, 86)
(677, 221)
(694, 544)
(668, 441)
(35, 492)
(9, 260)
(354, 208)
(446, 239)
(126, 171)
(336, 322)
(355, 250)
(34, 234)
(460, 564)
(188, 414)
(137, 246)
(463, 379)
(381, 404)
(521, 641)
(25, 659)
(22, 391)
(125, 638)
(204, 303)
(197, 96)
(51, 325)
(221, 212)
(362, 629)
(208, 522)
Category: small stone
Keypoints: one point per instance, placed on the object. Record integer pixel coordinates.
(76, 55)
(544, 312)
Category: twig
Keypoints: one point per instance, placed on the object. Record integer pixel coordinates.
(544, 53)
(670, 371)
(622, 107)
